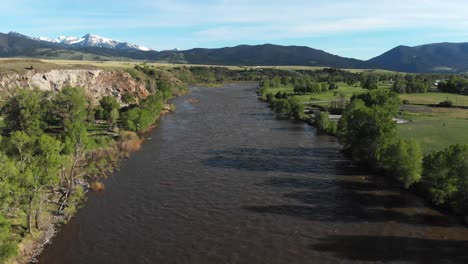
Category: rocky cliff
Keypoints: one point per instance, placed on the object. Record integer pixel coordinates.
(97, 83)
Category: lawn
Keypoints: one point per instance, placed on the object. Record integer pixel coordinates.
(436, 128)
(435, 98)
(131, 63)
(347, 90)
(433, 127)
(121, 65)
(323, 99)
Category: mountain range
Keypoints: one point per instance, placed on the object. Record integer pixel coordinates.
(441, 57)
(88, 40)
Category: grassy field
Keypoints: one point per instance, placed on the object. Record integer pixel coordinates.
(436, 128)
(323, 99)
(433, 127)
(128, 64)
(43, 65)
(435, 98)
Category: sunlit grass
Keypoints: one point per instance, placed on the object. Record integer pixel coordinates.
(435, 98)
(437, 128)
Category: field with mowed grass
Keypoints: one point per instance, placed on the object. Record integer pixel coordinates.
(435, 128)
(116, 63)
(435, 98)
(322, 99)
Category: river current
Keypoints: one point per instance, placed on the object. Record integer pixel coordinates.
(223, 180)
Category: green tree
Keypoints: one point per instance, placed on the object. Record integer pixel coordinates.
(38, 161)
(128, 98)
(332, 86)
(315, 88)
(399, 86)
(446, 175)
(46, 164)
(405, 161)
(165, 88)
(276, 81)
(322, 120)
(269, 97)
(296, 108)
(7, 245)
(24, 111)
(324, 87)
(9, 180)
(108, 103)
(113, 118)
(130, 119)
(370, 82)
(281, 106)
(366, 132)
(73, 110)
(382, 98)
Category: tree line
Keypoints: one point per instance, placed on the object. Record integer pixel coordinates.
(55, 145)
(369, 135)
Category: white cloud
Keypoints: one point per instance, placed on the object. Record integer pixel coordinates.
(199, 22)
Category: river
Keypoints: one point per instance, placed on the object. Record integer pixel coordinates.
(222, 180)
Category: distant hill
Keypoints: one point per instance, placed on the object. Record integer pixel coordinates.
(439, 57)
(269, 54)
(16, 45)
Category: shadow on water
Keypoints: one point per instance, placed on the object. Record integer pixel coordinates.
(394, 248)
(290, 160)
(350, 202)
(352, 197)
(341, 200)
(341, 193)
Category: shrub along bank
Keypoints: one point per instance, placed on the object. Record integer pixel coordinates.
(369, 135)
(55, 146)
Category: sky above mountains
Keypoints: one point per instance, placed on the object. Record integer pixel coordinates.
(360, 28)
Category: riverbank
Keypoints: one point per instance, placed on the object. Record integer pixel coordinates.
(118, 150)
(224, 180)
(411, 176)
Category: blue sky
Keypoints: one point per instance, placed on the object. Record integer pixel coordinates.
(360, 28)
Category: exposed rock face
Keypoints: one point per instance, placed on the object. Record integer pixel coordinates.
(97, 83)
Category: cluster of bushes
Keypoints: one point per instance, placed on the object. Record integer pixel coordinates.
(312, 87)
(42, 154)
(368, 134)
(141, 117)
(52, 145)
(283, 104)
(411, 83)
(370, 81)
(322, 123)
(446, 103)
(446, 177)
(455, 84)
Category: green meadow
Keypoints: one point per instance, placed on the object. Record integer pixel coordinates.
(435, 128)
(435, 98)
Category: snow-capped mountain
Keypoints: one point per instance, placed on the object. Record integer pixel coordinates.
(90, 40)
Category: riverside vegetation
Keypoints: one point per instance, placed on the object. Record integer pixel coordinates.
(56, 145)
(368, 103)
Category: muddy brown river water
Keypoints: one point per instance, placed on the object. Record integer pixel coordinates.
(224, 181)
